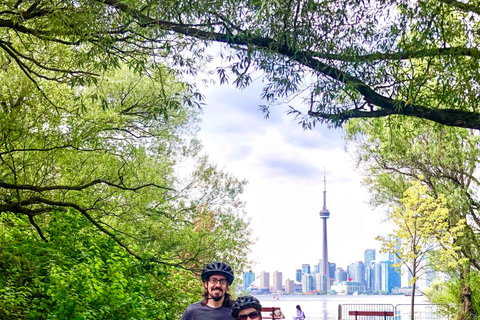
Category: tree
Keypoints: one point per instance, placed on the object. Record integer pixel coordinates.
(421, 226)
(446, 294)
(347, 59)
(104, 187)
(393, 152)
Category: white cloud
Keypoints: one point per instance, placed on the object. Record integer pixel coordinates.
(284, 166)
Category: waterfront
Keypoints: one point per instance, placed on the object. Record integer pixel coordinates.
(326, 307)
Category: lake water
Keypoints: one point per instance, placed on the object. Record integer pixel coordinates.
(326, 307)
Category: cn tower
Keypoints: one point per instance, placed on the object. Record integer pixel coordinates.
(324, 215)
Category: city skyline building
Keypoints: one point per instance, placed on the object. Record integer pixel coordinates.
(369, 278)
(374, 275)
(289, 286)
(377, 277)
(318, 281)
(277, 281)
(324, 215)
(305, 268)
(298, 275)
(265, 280)
(248, 278)
(359, 272)
(340, 275)
(308, 283)
(331, 271)
(369, 256)
(316, 267)
(351, 271)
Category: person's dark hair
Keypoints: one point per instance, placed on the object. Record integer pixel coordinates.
(298, 307)
(227, 301)
(244, 303)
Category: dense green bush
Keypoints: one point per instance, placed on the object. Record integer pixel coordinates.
(447, 294)
(80, 274)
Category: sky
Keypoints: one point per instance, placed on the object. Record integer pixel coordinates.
(284, 166)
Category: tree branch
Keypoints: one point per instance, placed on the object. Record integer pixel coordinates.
(89, 218)
(404, 55)
(78, 187)
(39, 231)
(462, 6)
(49, 149)
(449, 117)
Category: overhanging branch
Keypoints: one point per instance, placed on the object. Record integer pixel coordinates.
(78, 187)
(462, 6)
(449, 117)
(85, 213)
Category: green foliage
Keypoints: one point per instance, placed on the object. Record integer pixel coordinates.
(107, 205)
(446, 294)
(346, 59)
(81, 275)
(396, 151)
(421, 226)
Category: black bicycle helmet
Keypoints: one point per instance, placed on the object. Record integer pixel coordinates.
(218, 268)
(244, 303)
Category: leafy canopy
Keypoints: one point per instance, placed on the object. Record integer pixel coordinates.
(421, 226)
(394, 152)
(104, 192)
(347, 59)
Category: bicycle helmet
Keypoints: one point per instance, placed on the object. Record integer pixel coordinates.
(218, 268)
(244, 303)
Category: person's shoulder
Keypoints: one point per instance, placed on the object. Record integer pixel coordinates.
(199, 311)
(190, 309)
(195, 305)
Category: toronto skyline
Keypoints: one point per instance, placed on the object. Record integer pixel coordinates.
(284, 166)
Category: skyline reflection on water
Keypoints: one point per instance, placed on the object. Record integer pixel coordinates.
(326, 307)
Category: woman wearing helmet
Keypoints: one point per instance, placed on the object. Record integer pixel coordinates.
(246, 308)
(217, 278)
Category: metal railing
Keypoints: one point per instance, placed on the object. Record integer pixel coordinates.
(400, 311)
(421, 312)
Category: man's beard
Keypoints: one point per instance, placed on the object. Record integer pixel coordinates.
(215, 297)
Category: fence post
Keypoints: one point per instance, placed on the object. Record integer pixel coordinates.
(339, 312)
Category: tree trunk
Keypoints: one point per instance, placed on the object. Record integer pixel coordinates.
(412, 306)
(467, 312)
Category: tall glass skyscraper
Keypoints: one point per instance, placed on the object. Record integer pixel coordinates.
(386, 276)
(369, 257)
(340, 275)
(248, 278)
(359, 272)
(369, 273)
(308, 283)
(377, 276)
(351, 271)
(298, 275)
(394, 277)
(332, 267)
(306, 268)
(316, 269)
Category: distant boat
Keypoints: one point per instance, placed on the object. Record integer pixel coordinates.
(355, 293)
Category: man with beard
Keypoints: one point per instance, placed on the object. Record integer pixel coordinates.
(217, 278)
